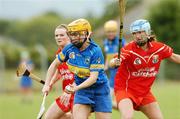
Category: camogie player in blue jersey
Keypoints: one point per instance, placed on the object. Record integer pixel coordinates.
(111, 44)
(85, 59)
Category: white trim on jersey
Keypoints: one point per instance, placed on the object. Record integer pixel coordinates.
(156, 52)
(143, 57)
(127, 81)
(138, 55)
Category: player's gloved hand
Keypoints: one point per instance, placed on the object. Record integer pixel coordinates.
(115, 62)
(70, 89)
(46, 89)
(65, 98)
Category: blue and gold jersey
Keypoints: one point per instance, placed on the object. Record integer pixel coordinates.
(111, 47)
(81, 63)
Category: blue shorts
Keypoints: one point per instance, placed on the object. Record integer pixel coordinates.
(112, 73)
(97, 96)
(26, 82)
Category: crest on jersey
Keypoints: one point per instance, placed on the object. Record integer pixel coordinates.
(137, 61)
(99, 60)
(155, 59)
(87, 60)
(72, 55)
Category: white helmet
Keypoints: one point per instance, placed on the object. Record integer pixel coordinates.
(140, 25)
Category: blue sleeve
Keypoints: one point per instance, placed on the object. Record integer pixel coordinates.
(97, 60)
(123, 42)
(63, 56)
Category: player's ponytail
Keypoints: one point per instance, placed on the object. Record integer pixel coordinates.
(152, 37)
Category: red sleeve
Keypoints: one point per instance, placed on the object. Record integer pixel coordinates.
(166, 52)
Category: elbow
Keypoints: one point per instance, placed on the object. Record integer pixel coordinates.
(94, 80)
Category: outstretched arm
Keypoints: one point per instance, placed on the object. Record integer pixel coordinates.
(175, 58)
(49, 75)
(90, 81)
(87, 83)
(54, 78)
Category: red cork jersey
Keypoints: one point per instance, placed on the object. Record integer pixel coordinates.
(139, 68)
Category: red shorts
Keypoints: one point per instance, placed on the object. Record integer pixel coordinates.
(64, 108)
(137, 101)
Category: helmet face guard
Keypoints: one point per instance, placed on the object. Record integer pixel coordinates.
(78, 38)
(77, 33)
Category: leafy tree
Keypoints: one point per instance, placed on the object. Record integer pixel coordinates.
(4, 24)
(164, 18)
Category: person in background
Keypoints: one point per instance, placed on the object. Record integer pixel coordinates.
(25, 81)
(111, 44)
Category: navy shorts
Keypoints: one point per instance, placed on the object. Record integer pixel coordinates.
(97, 96)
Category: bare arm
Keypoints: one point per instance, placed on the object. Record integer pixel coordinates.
(51, 70)
(54, 78)
(49, 75)
(175, 58)
(90, 81)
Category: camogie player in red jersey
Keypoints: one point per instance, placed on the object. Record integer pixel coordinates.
(139, 64)
(62, 106)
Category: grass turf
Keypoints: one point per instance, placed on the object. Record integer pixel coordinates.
(167, 94)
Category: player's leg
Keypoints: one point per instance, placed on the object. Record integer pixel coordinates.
(67, 115)
(126, 108)
(103, 115)
(152, 110)
(54, 112)
(81, 111)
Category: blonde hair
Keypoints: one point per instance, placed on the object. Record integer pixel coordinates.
(62, 26)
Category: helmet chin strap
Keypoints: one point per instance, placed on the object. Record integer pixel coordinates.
(90, 33)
